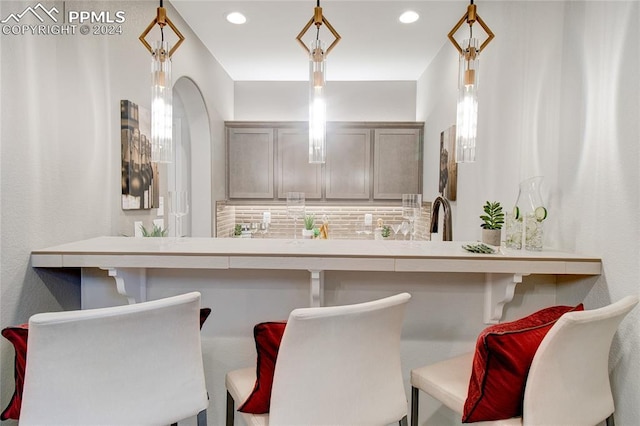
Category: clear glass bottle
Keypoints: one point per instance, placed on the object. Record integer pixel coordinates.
(527, 217)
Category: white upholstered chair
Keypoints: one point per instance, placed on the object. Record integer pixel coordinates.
(568, 383)
(336, 366)
(137, 364)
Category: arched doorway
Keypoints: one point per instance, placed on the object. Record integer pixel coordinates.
(191, 170)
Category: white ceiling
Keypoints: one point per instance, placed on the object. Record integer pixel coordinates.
(374, 46)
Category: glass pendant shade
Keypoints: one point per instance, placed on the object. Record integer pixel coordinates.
(161, 105)
(317, 104)
(467, 114)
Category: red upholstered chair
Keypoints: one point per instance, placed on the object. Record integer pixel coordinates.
(134, 364)
(336, 365)
(567, 383)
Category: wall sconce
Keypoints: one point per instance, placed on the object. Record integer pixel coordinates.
(467, 114)
(317, 72)
(161, 89)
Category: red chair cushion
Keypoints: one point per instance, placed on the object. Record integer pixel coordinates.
(268, 336)
(501, 364)
(18, 336)
(204, 314)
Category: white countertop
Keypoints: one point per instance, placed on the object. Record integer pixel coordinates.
(249, 253)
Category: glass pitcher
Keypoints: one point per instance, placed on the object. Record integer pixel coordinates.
(527, 217)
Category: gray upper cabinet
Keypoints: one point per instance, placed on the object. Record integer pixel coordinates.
(397, 163)
(294, 171)
(366, 161)
(250, 162)
(348, 165)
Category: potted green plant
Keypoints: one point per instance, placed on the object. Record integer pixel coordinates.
(493, 219)
(309, 221)
(156, 231)
(386, 232)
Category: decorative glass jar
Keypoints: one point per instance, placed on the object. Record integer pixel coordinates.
(527, 217)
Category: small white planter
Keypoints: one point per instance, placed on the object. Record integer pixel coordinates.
(491, 236)
(307, 233)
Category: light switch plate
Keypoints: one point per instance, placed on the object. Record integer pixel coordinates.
(161, 207)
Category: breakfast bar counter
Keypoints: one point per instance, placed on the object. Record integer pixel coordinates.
(356, 255)
(128, 259)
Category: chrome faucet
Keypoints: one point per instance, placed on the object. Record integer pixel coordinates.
(447, 233)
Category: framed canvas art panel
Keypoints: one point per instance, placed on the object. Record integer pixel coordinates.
(140, 178)
(448, 181)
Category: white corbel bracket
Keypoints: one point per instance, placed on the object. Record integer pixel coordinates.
(316, 292)
(130, 283)
(498, 291)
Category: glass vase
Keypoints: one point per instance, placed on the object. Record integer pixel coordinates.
(527, 217)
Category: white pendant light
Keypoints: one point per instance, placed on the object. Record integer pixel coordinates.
(317, 83)
(467, 114)
(161, 105)
(467, 107)
(317, 104)
(161, 88)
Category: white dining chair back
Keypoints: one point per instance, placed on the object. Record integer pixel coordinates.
(137, 364)
(567, 384)
(339, 365)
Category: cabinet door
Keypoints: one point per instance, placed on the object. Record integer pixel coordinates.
(348, 164)
(250, 163)
(294, 171)
(397, 159)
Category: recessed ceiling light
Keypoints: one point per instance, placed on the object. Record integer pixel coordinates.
(236, 18)
(408, 17)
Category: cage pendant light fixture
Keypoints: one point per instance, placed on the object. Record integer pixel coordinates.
(467, 109)
(161, 88)
(317, 83)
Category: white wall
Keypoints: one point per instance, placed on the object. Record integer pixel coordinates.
(598, 195)
(346, 101)
(60, 147)
(436, 106)
(560, 98)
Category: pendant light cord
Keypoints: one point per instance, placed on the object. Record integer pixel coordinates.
(162, 27)
(470, 26)
(318, 26)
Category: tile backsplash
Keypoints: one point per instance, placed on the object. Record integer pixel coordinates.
(342, 219)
